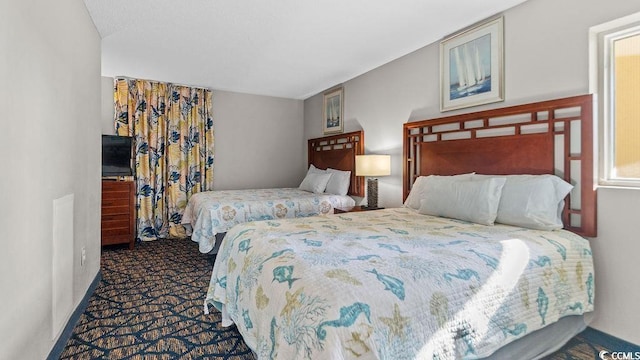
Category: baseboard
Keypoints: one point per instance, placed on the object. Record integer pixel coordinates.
(73, 320)
(609, 341)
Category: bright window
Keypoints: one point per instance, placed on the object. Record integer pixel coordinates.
(619, 101)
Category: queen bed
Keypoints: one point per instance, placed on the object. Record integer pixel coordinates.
(405, 284)
(210, 214)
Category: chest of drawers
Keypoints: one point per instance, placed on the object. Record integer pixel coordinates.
(118, 213)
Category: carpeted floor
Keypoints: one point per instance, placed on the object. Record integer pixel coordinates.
(149, 305)
(590, 343)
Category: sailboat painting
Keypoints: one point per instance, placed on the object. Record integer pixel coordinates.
(332, 112)
(471, 66)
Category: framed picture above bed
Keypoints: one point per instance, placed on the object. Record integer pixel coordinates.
(332, 111)
(471, 66)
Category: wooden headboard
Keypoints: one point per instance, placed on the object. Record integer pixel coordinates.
(548, 137)
(339, 152)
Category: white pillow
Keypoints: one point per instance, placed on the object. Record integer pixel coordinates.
(417, 190)
(532, 201)
(474, 201)
(339, 182)
(313, 169)
(315, 182)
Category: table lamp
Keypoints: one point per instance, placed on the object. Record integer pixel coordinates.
(373, 165)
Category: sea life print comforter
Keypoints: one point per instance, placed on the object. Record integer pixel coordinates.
(213, 212)
(395, 284)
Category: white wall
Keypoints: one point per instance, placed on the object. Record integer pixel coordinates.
(546, 57)
(258, 139)
(50, 101)
(106, 106)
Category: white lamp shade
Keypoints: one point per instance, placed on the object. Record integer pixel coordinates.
(373, 165)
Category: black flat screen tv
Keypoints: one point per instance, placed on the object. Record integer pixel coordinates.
(116, 155)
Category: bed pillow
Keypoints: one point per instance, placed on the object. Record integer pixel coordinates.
(417, 190)
(313, 169)
(532, 201)
(474, 201)
(339, 182)
(315, 182)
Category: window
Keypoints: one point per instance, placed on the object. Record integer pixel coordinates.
(618, 89)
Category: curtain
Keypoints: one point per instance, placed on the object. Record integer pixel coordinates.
(190, 149)
(173, 131)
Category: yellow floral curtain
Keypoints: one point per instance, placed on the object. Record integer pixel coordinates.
(173, 130)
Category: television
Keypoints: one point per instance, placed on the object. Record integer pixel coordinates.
(116, 155)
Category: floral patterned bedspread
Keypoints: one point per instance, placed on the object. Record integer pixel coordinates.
(213, 212)
(394, 284)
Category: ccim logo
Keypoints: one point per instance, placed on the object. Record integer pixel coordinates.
(619, 355)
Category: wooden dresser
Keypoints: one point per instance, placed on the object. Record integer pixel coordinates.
(118, 213)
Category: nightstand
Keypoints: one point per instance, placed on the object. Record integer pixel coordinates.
(353, 209)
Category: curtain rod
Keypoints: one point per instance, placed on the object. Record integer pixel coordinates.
(168, 83)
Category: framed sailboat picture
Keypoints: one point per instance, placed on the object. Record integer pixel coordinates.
(471, 66)
(332, 111)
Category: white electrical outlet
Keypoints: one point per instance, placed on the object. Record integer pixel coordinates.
(83, 257)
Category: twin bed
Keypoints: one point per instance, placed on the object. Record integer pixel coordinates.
(405, 284)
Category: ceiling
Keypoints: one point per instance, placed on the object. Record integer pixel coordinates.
(284, 48)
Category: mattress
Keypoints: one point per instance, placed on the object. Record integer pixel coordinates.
(395, 284)
(213, 212)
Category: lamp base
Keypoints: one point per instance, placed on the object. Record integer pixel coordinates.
(372, 193)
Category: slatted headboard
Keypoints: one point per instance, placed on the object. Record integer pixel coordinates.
(548, 137)
(339, 152)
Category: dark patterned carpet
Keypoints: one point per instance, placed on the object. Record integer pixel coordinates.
(590, 343)
(149, 305)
